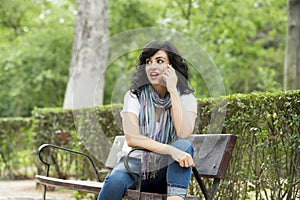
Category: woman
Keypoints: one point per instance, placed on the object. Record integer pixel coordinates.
(159, 114)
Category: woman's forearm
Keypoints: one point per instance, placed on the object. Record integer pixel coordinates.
(183, 121)
(135, 139)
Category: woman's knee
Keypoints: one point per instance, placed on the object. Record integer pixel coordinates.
(120, 179)
(116, 177)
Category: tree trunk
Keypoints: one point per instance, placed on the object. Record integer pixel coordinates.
(292, 51)
(89, 55)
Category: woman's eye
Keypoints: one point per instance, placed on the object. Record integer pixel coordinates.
(160, 61)
(148, 62)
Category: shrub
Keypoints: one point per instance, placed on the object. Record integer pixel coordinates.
(266, 158)
(15, 139)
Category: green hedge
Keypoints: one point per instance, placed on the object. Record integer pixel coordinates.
(89, 130)
(15, 145)
(265, 161)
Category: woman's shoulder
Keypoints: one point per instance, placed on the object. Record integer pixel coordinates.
(130, 95)
(130, 99)
(131, 104)
(188, 97)
(189, 102)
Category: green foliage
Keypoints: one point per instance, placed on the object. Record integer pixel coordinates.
(245, 39)
(265, 159)
(15, 142)
(48, 121)
(126, 15)
(53, 125)
(89, 130)
(34, 61)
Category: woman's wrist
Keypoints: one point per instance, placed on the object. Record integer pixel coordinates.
(173, 92)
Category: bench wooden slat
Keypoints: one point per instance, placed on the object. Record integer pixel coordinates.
(133, 194)
(79, 185)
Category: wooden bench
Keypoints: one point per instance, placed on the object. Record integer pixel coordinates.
(212, 153)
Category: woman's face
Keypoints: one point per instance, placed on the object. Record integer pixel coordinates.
(155, 66)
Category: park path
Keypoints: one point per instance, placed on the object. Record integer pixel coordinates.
(26, 190)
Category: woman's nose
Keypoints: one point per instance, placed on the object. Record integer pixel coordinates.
(153, 65)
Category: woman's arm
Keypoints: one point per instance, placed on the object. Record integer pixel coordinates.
(184, 121)
(135, 139)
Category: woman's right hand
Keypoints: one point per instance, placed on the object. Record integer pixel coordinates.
(184, 159)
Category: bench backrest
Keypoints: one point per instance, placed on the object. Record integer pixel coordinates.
(115, 150)
(212, 153)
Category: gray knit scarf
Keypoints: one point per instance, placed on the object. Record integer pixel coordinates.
(149, 99)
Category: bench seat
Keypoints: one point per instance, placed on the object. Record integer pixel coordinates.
(94, 187)
(212, 153)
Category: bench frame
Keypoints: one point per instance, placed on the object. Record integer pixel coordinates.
(205, 148)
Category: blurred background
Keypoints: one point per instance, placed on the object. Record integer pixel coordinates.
(246, 40)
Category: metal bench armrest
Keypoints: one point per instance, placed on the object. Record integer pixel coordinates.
(126, 164)
(44, 146)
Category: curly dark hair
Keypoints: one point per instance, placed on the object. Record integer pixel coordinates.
(178, 63)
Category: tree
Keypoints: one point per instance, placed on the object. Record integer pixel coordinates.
(89, 55)
(35, 49)
(292, 51)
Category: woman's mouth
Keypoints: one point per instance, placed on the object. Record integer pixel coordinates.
(154, 74)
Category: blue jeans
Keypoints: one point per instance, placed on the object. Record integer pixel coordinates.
(172, 179)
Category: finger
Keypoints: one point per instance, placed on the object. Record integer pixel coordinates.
(188, 163)
(180, 160)
(184, 161)
(167, 71)
(170, 69)
(191, 163)
(182, 164)
(165, 77)
(170, 66)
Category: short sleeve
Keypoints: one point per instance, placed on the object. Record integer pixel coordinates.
(189, 102)
(130, 104)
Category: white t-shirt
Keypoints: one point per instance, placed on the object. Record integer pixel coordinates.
(132, 105)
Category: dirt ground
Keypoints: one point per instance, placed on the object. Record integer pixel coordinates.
(27, 190)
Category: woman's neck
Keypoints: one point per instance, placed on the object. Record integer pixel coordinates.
(160, 90)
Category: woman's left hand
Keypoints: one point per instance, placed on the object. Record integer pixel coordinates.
(184, 159)
(170, 77)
